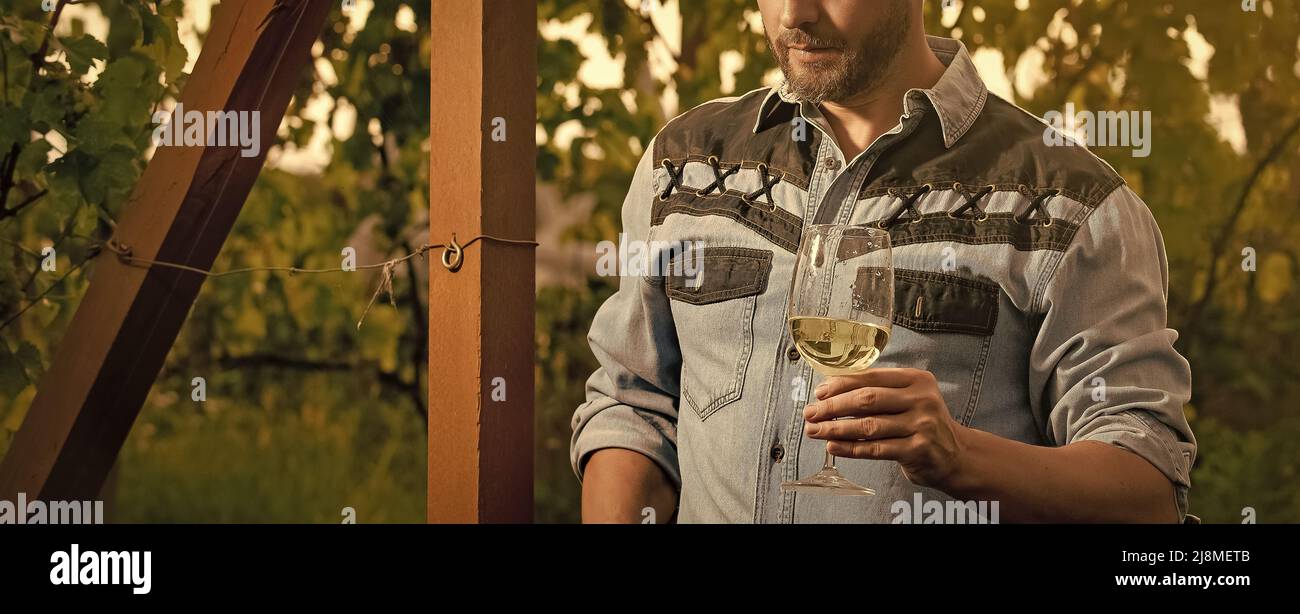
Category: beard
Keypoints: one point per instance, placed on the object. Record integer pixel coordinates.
(858, 67)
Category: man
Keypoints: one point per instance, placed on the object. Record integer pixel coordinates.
(1030, 363)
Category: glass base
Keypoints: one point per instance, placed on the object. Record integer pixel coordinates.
(828, 481)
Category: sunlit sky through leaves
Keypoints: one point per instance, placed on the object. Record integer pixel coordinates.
(600, 70)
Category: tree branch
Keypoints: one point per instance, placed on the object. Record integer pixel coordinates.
(7, 213)
(1229, 227)
(38, 60)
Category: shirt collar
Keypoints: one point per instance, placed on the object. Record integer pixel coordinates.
(958, 96)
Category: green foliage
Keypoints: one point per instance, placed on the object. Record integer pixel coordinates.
(305, 414)
(72, 147)
(1239, 469)
(289, 450)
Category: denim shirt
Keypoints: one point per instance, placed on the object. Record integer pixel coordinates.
(1030, 280)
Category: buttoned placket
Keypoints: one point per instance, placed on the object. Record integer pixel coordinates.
(832, 197)
(792, 376)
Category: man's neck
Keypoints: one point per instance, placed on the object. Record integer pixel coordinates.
(859, 120)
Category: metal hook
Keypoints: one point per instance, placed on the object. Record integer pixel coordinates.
(457, 255)
(123, 251)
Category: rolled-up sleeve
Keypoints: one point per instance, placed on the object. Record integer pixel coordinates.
(1104, 362)
(631, 400)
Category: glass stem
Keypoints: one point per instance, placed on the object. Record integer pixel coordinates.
(830, 461)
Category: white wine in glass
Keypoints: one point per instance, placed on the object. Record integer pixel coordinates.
(838, 347)
(841, 313)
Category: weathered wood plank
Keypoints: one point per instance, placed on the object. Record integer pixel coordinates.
(481, 318)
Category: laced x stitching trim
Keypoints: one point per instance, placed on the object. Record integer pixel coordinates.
(674, 177)
(769, 182)
(909, 204)
(972, 203)
(719, 178)
(1040, 214)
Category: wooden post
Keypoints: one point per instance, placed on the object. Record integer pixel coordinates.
(181, 211)
(481, 318)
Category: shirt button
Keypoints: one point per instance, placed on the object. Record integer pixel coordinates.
(778, 452)
(792, 354)
(832, 163)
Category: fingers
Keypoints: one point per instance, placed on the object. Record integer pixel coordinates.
(871, 427)
(879, 377)
(875, 449)
(860, 402)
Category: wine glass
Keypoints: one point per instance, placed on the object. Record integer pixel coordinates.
(841, 313)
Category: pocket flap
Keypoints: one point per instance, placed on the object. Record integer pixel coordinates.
(939, 302)
(724, 273)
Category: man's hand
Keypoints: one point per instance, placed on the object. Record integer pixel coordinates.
(899, 415)
(889, 414)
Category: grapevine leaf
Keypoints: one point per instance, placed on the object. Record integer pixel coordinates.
(112, 177)
(82, 52)
(119, 90)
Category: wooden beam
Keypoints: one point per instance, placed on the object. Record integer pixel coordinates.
(181, 211)
(481, 317)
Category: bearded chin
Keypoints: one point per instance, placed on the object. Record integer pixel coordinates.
(821, 82)
(858, 69)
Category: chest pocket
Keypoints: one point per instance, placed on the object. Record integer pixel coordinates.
(714, 316)
(944, 324)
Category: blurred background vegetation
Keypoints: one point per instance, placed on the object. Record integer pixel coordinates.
(307, 415)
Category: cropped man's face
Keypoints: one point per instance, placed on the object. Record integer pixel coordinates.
(833, 49)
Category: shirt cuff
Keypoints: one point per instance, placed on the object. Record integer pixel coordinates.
(624, 427)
